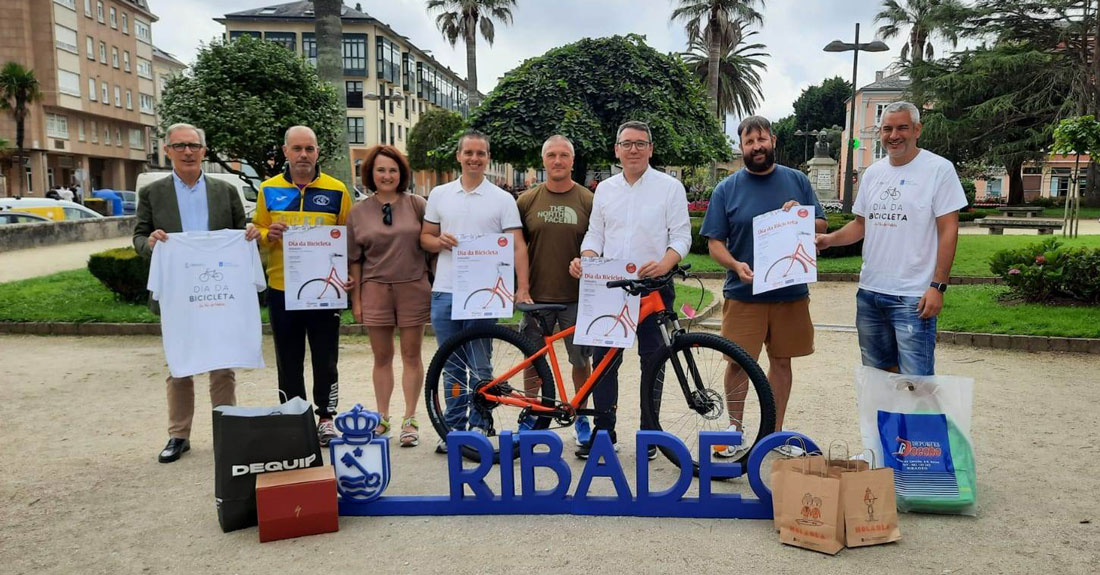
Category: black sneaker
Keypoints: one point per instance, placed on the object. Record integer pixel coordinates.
(586, 448)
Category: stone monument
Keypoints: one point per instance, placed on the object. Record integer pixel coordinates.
(823, 169)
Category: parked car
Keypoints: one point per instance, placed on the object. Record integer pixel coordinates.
(7, 217)
(56, 210)
(129, 202)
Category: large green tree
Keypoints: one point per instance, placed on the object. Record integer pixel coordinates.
(995, 105)
(585, 90)
(821, 106)
(716, 24)
(329, 32)
(18, 89)
(739, 71)
(923, 19)
(244, 94)
(464, 19)
(428, 140)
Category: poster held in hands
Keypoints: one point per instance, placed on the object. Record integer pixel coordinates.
(315, 267)
(484, 286)
(784, 253)
(606, 317)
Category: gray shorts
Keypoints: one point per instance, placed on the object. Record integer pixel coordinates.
(579, 355)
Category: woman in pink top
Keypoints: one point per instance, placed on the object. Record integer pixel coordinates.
(389, 273)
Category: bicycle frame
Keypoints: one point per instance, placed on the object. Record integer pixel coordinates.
(651, 304)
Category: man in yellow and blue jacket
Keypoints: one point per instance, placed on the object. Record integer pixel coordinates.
(302, 196)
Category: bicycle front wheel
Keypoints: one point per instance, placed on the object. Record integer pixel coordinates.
(483, 299)
(472, 358)
(690, 387)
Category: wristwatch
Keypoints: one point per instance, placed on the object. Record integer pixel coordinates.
(942, 287)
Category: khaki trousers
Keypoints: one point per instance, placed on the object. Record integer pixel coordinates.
(181, 399)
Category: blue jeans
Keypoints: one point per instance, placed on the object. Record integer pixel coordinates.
(465, 366)
(892, 333)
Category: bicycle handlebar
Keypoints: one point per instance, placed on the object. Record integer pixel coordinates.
(650, 284)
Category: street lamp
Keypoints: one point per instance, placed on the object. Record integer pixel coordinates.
(805, 143)
(855, 48)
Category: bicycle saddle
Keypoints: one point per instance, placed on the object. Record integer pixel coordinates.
(533, 307)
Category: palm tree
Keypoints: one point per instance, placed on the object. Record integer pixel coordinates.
(463, 19)
(739, 71)
(714, 24)
(924, 19)
(328, 29)
(18, 89)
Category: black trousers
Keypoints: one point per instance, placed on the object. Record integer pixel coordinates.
(605, 395)
(291, 329)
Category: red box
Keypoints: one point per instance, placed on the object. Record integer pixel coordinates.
(295, 503)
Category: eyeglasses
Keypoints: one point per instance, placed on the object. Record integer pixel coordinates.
(639, 145)
(181, 146)
(387, 214)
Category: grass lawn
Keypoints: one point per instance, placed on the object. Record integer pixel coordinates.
(977, 308)
(76, 296)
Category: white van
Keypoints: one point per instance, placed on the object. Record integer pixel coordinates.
(247, 194)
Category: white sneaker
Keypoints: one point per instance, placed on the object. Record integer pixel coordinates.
(730, 451)
(441, 446)
(790, 450)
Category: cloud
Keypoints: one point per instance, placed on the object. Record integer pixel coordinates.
(794, 31)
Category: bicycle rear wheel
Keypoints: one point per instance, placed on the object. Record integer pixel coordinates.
(321, 289)
(471, 358)
(685, 391)
(483, 299)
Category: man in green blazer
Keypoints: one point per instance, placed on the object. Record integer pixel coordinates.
(183, 202)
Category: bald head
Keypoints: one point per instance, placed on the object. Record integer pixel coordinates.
(302, 131)
(301, 151)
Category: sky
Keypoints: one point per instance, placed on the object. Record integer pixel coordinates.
(794, 31)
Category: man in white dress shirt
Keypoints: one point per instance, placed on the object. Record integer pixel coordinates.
(639, 214)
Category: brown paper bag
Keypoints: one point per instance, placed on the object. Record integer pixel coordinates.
(810, 514)
(870, 508)
(780, 467)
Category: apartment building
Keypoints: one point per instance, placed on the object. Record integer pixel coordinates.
(389, 82)
(94, 62)
(165, 66)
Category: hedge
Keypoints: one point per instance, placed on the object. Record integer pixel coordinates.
(1046, 272)
(123, 271)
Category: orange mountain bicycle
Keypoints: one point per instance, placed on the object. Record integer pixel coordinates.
(469, 384)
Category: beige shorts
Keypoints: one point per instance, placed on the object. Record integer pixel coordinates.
(785, 326)
(406, 304)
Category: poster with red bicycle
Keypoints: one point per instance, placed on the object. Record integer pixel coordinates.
(484, 284)
(606, 317)
(315, 267)
(783, 249)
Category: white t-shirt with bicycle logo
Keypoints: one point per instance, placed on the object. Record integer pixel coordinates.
(206, 283)
(900, 205)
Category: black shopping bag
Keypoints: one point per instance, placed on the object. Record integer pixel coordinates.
(253, 440)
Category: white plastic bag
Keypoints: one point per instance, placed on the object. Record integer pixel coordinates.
(920, 426)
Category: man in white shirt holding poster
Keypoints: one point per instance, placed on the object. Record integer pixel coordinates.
(470, 205)
(908, 216)
(639, 214)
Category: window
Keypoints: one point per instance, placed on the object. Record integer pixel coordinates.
(103, 52)
(129, 100)
(878, 114)
(106, 98)
(382, 131)
(389, 92)
(65, 38)
(114, 56)
(880, 152)
(99, 11)
(238, 33)
(126, 60)
(137, 139)
(354, 91)
(141, 30)
(91, 89)
(406, 107)
(355, 54)
(993, 188)
(1059, 182)
(407, 67)
(146, 103)
(355, 131)
(287, 40)
(118, 137)
(126, 23)
(95, 133)
(88, 8)
(68, 83)
(145, 68)
(400, 134)
(391, 133)
(80, 131)
(114, 18)
(309, 48)
(106, 136)
(388, 60)
(57, 126)
(71, 4)
(118, 96)
(90, 48)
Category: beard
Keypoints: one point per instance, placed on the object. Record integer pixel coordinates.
(762, 165)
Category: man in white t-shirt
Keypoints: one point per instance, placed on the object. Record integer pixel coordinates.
(468, 205)
(907, 213)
